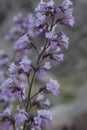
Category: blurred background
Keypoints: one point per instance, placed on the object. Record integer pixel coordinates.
(70, 108)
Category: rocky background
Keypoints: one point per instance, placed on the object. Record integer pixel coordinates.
(71, 112)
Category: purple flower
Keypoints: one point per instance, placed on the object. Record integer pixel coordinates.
(69, 11)
(47, 65)
(37, 120)
(46, 8)
(51, 35)
(7, 82)
(22, 43)
(20, 118)
(63, 40)
(53, 87)
(43, 118)
(40, 24)
(58, 10)
(7, 117)
(13, 68)
(66, 4)
(43, 6)
(47, 102)
(68, 20)
(40, 97)
(15, 87)
(23, 85)
(42, 72)
(6, 92)
(6, 126)
(40, 17)
(58, 57)
(8, 110)
(50, 3)
(25, 64)
(53, 44)
(18, 95)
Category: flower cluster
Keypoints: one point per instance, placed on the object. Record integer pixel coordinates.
(33, 112)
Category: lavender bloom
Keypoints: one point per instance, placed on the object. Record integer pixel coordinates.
(69, 11)
(20, 118)
(7, 82)
(18, 95)
(68, 20)
(42, 72)
(23, 85)
(8, 110)
(66, 4)
(43, 118)
(40, 17)
(47, 102)
(22, 43)
(37, 120)
(50, 3)
(14, 86)
(47, 65)
(6, 97)
(63, 40)
(46, 7)
(58, 10)
(51, 35)
(13, 68)
(31, 25)
(41, 103)
(40, 24)
(25, 64)
(7, 117)
(41, 6)
(58, 57)
(53, 87)
(53, 44)
(40, 97)
(6, 125)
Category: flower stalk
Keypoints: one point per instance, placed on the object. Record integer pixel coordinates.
(14, 87)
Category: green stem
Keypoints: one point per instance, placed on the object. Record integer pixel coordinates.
(36, 94)
(29, 92)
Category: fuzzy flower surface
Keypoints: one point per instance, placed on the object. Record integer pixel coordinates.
(53, 87)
